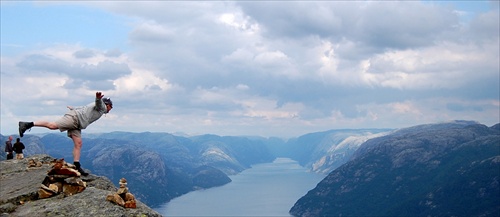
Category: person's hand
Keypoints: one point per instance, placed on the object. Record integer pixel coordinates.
(98, 95)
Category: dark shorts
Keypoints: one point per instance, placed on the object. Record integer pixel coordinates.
(69, 122)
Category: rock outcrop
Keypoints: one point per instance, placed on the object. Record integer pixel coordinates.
(447, 169)
(20, 183)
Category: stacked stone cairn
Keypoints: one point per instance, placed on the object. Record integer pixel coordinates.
(62, 178)
(122, 196)
(34, 163)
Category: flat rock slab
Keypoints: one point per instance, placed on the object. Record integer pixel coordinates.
(20, 183)
(91, 202)
(19, 187)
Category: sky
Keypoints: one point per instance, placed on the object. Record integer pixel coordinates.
(264, 68)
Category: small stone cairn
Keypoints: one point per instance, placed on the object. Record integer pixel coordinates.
(62, 178)
(122, 196)
(34, 163)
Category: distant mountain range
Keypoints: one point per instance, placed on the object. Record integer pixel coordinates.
(158, 166)
(162, 166)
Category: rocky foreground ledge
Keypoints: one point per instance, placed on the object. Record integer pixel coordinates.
(19, 186)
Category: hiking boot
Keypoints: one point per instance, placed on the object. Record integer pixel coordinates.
(23, 126)
(82, 172)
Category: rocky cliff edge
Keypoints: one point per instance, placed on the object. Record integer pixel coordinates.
(19, 187)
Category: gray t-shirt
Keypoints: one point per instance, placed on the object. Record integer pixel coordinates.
(90, 113)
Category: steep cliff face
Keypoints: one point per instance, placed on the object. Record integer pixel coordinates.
(325, 151)
(19, 194)
(449, 169)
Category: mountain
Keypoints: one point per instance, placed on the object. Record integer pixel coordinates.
(230, 154)
(161, 166)
(446, 169)
(19, 194)
(323, 152)
(33, 145)
(159, 169)
(227, 153)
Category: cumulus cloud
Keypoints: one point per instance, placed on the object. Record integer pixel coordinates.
(253, 67)
(77, 74)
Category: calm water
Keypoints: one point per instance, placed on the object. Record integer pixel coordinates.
(269, 189)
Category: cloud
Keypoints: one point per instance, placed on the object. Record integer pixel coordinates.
(295, 19)
(113, 53)
(86, 53)
(253, 67)
(382, 25)
(484, 26)
(403, 25)
(82, 67)
(151, 33)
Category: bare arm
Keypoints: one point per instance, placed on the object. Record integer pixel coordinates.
(99, 105)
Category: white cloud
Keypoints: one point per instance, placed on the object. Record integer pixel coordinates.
(239, 22)
(445, 65)
(271, 59)
(139, 81)
(234, 68)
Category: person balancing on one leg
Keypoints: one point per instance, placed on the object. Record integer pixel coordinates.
(74, 121)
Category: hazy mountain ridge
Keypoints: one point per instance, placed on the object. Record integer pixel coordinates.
(325, 151)
(448, 169)
(33, 145)
(229, 153)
